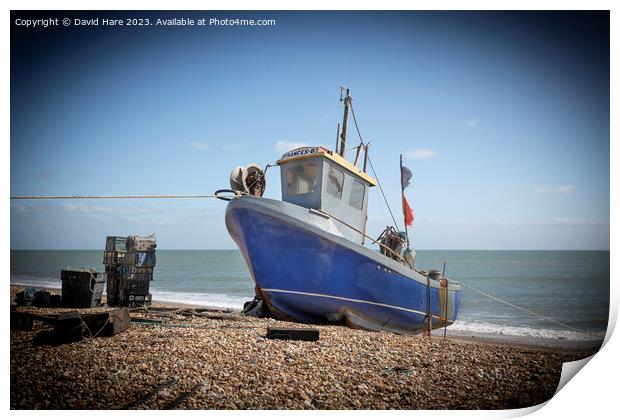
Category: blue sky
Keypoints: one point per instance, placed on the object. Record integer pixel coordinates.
(502, 118)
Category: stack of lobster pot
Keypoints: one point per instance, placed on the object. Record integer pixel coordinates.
(136, 272)
(113, 259)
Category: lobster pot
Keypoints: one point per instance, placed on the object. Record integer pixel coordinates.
(136, 243)
(81, 288)
(115, 243)
(131, 300)
(131, 272)
(140, 259)
(113, 258)
(135, 287)
(111, 287)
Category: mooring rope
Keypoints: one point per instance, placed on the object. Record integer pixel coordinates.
(546, 318)
(87, 197)
(161, 196)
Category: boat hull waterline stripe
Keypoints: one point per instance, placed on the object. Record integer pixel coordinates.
(351, 300)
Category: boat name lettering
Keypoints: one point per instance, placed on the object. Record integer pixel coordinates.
(299, 152)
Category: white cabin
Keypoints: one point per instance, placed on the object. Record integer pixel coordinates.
(317, 178)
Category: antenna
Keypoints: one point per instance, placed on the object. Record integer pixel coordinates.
(347, 102)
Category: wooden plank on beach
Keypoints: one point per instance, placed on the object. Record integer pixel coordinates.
(48, 319)
(21, 321)
(303, 334)
(68, 327)
(108, 323)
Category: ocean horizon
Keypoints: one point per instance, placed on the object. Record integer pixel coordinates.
(570, 287)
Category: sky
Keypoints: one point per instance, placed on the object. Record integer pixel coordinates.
(503, 119)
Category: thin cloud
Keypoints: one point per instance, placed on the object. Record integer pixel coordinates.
(199, 145)
(472, 122)
(420, 154)
(563, 221)
(283, 146)
(560, 189)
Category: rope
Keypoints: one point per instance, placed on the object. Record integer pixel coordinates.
(469, 287)
(359, 134)
(75, 197)
(83, 326)
(528, 311)
(194, 326)
(101, 329)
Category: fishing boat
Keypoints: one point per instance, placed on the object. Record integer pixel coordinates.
(310, 257)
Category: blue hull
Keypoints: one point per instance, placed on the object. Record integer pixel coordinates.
(317, 278)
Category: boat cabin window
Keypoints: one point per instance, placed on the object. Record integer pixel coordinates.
(335, 181)
(357, 194)
(301, 179)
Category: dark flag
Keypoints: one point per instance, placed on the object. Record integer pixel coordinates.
(405, 177)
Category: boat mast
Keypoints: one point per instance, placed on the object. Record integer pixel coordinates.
(345, 118)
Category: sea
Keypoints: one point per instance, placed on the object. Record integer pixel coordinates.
(568, 290)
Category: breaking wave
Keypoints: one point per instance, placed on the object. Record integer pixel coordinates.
(47, 282)
(216, 300)
(513, 331)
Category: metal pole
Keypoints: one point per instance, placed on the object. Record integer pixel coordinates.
(337, 138)
(445, 326)
(366, 146)
(345, 118)
(429, 308)
(357, 154)
(403, 200)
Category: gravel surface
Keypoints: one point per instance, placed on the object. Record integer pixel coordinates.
(217, 360)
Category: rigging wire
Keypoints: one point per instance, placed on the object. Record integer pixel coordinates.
(383, 193)
(373, 168)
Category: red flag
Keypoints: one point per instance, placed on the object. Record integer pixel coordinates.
(407, 212)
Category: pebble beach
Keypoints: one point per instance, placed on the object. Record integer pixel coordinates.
(179, 357)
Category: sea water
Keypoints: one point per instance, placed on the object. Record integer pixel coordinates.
(570, 287)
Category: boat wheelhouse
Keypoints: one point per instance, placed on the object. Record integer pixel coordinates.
(319, 179)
